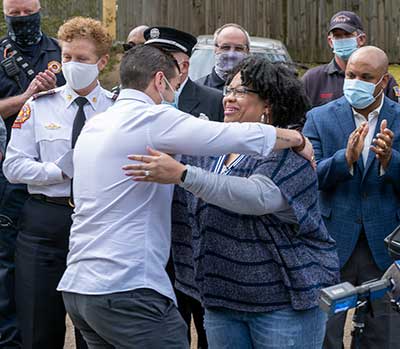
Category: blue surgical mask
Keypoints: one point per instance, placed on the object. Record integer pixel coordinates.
(174, 103)
(343, 48)
(360, 94)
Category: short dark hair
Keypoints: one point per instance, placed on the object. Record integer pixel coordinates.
(278, 85)
(142, 62)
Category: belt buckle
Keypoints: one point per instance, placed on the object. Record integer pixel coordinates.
(71, 203)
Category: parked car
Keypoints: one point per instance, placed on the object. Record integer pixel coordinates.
(202, 59)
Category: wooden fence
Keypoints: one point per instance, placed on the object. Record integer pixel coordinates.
(301, 24)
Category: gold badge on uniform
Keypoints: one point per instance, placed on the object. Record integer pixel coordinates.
(54, 67)
(23, 115)
(52, 126)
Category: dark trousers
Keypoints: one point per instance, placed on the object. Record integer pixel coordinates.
(138, 319)
(42, 247)
(12, 198)
(189, 306)
(381, 331)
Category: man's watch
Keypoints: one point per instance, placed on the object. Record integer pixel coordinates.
(183, 175)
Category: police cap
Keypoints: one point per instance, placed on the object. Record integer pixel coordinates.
(170, 39)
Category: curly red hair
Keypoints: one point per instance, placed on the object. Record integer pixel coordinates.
(86, 28)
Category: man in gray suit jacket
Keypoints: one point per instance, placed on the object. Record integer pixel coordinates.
(192, 98)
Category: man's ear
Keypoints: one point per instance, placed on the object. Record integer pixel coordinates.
(385, 80)
(361, 39)
(330, 42)
(158, 80)
(102, 63)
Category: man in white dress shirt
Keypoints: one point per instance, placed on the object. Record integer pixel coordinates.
(39, 154)
(115, 288)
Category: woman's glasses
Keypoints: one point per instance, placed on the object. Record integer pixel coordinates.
(239, 92)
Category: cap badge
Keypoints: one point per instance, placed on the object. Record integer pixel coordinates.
(341, 19)
(154, 33)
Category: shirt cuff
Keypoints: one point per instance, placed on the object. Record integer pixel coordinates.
(270, 138)
(54, 173)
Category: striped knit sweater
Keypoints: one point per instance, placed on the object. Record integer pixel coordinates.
(254, 263)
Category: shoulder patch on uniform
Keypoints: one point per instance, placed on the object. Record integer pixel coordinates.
(44, 93)
(23, 115)
(396, 90)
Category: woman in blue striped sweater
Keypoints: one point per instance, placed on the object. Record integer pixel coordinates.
(248, 238)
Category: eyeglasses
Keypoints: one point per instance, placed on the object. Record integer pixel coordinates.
(239, 92)
(128, 46)
(229, 47)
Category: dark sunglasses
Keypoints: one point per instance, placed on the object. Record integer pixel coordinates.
(128, 46)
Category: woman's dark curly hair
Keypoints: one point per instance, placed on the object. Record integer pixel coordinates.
(279, 86)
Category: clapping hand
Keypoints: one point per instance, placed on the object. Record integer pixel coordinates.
(383, 145)
(355, 144)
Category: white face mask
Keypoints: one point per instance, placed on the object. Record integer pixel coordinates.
(79, 75)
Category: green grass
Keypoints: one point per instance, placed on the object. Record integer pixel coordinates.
(394, 69)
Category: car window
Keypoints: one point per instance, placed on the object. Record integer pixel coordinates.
(201, 63)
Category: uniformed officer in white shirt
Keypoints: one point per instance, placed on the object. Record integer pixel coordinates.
(40, 155)
(116, 289)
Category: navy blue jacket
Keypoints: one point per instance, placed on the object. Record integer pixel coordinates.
(48, 51)
(365, 199)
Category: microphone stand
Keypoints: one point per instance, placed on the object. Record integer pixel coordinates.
(358, 322)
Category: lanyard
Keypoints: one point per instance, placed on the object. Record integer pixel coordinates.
(220, 167)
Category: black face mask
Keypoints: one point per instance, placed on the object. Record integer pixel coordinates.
(24, 30)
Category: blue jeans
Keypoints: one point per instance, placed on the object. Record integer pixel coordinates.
(279, 329)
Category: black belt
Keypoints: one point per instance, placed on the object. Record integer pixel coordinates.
(64, 200)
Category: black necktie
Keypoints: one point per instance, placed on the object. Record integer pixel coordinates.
(79, 120)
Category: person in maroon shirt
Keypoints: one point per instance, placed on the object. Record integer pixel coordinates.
(325, 82)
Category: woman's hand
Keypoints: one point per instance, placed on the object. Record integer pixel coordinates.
(155, 167)
(308, 153)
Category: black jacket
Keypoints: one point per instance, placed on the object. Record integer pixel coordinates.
(196, 99)
(212, 80)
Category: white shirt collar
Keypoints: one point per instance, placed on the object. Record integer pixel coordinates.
(130, 93)
(93, 97)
